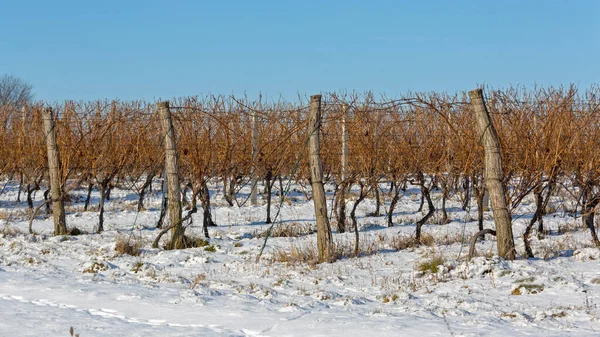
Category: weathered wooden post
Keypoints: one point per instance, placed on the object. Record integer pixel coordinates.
(344, 174)
(324, 239)
(374, 179)
(22, 145)
(253, 191)
(494, 175)
(58, 206)
(345, 140)
(172, 174)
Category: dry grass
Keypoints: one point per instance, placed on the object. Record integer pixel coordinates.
(308, 253)
(79, 208)
(387, 299)
(432, 265)
(15, 214)
(137, 266)
(552, 248)
(72, 332)
(450, 239)
(567, 227)
(129, 206)
(527, 289)
(297, 254)
(288, 230)
(366, 247)
(128, 245)
(9, 231)
(345, 248)
(96, 267)
(403, 241)
(427, 240)
(196, 242)
(197, 280)
(436, 219)
(210, 248)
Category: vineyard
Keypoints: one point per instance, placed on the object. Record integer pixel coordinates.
(548, 137)
(379, 156)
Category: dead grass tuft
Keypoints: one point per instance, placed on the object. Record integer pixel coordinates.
(196, 242)
(450, 239)
(297, 254)
(571, 226)
(15, 214)
(405, 241)
(550, 249)
(200, 278)
(431, 265)
(527, 289)
(427, 240)
(288, 230)
(72, 332)
(95, 267)
(399, 242)
(366, 247)
(308, 253)
(128, 245)
(9, 231)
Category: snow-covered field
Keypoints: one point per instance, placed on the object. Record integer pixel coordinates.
(49, 284)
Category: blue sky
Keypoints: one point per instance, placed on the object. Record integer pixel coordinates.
(150, 49)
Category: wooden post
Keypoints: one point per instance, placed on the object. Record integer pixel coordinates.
(375, 181)
(253, 191)
(341, 202)
(345, 140)
(58, 206)
(494, 175)
(24, 118)
(324, 239)
(22, 145)
(172, 173)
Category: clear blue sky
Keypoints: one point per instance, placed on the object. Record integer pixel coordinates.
(147, 49)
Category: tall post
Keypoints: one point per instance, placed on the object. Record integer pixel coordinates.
(24, 118)
(324, 239)
(172, 173)
(22, 145)
(345, 139)
(374, 179)
(58, 206)
(494, 175)
(341, 202)
(253, 191)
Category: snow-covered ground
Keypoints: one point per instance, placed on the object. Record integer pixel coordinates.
(49, 284)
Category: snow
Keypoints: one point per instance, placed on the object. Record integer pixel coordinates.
(49, 284)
